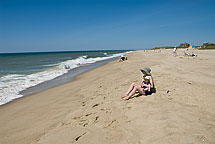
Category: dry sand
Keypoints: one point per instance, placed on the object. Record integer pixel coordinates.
(89, 110)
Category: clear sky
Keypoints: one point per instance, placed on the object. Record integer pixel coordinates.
(64, 25)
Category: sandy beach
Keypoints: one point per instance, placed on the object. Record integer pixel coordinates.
(89, 110)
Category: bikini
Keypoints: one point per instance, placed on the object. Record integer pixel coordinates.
(144, 87)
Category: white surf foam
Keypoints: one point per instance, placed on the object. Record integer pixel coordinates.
(12, 85)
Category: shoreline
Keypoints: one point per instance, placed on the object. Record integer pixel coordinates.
(65, 78)
(83, 69)
(46, 85)
(59, 80)
(90, 107)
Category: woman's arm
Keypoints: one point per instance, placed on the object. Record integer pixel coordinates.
(151, 82)
(149, 87)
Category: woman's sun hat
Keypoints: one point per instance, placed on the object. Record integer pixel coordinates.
(147, 70)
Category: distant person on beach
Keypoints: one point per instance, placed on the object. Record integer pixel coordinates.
(66, 66)
(122, 58)
(186, 53)
(189, 55)
(144, 88)
(175, 51)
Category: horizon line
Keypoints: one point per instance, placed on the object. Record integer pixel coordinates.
(69, 51)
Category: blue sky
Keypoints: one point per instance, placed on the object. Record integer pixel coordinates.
(64, 25)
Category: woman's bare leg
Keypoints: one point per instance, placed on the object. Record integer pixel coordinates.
(131, 88)
(136, 88)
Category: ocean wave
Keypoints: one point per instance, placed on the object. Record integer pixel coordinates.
(11, 85)
(50, 65)
(11, 77)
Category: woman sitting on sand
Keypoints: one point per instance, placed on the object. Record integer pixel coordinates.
(145, 86)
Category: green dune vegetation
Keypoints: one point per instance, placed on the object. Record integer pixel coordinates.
(163, 47)
(205, 46)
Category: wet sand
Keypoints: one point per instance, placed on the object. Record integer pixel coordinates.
(90, 110)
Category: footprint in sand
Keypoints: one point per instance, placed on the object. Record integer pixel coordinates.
(111, 123)
(65, 123)
(95, 105)
(96, 119)
(83, 122)
(106, 110)
(78, 137)
(76, 118)
(89, 114)
(83, 103)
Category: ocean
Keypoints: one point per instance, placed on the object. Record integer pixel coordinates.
(21, 72)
